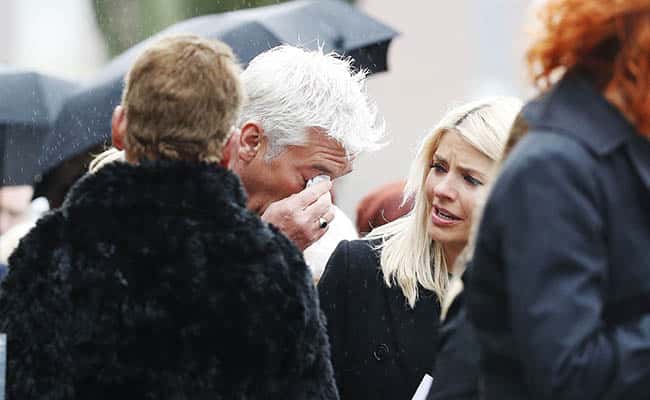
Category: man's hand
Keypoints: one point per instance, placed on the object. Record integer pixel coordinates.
(298, 216)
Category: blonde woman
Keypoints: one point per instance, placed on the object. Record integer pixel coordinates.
(381, 296)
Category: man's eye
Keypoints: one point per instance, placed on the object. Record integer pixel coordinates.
(438, 167)
(472, 181)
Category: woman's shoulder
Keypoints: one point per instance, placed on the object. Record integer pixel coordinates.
(544, 157)
(359, 253)
(352, 259)
(362, 247)
(543, 146)
(46, 234)
(545, 153)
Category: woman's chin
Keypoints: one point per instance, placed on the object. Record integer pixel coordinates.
(444, 234)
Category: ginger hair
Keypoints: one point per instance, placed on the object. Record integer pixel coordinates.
(608, 41)
(182, 98)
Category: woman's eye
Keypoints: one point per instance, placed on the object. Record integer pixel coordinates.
(472, 181)
(438, 167)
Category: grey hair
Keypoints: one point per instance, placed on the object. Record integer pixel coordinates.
(290, 90)
(408, 255)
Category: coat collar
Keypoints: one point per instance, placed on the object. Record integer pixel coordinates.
(639, 150)
(166, 185)
(574, 107)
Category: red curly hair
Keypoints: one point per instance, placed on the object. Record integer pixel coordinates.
(608, 40)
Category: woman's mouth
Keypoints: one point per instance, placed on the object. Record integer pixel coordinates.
(442, 217)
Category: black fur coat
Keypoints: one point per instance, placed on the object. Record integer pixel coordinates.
(155, 282)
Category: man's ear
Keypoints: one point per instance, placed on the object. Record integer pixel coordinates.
(118, 127)
(230, 149)
(251, 141)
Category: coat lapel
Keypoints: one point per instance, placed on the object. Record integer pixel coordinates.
(415, 330)
(575, 107)
(639, 150)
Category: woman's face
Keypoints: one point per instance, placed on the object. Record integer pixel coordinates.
(456, 183)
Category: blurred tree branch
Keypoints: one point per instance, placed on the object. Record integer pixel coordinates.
(127, 22)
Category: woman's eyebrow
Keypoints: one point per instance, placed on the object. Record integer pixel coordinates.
(471, 171)
(440, 159)
(464, 168)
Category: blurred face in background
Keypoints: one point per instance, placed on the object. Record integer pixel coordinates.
(456, 184)
(14, 205)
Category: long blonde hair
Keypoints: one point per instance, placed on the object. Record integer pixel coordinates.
(409, 258)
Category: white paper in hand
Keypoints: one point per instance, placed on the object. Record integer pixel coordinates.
(317, 179)
(423, 389)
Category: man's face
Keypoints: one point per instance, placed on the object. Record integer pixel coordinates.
(14, 203)
(286, 174)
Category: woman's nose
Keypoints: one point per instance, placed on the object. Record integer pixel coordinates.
(445, 188)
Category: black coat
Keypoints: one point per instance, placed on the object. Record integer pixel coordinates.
(381, 348)
(456, 370)
(155, 282)
(560, 287)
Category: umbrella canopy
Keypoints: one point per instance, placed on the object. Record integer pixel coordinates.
(334, 25)
(29, 102)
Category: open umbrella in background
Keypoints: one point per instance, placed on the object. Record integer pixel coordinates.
(29, 103)
(84, 121)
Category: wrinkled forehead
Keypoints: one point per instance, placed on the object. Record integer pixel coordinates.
(325, 154)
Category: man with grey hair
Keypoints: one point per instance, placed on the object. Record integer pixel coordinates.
(307, 114)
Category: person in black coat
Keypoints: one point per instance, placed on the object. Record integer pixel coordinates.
(560, 278)
(381, 295)
(456, 370)
(154, 281)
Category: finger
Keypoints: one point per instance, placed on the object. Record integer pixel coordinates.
(319, 207)
(318, 232)
(329, 215)
(311, 194)
(319, 228)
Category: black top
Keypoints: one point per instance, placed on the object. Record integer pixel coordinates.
(456, 370)
(381, 348)
(560, 286)
(155, 282)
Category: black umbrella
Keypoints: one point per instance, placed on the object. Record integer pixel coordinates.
(29, 102)
(84, 121)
